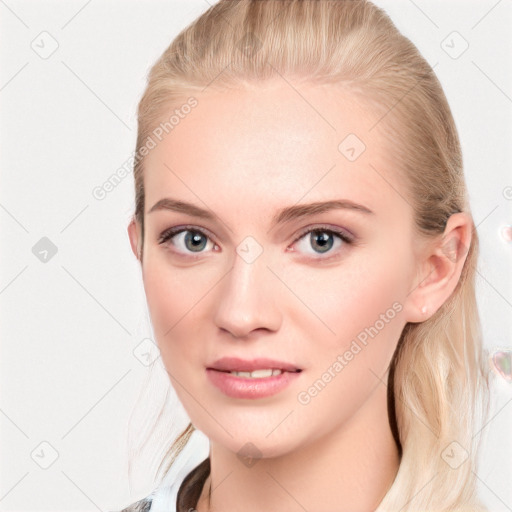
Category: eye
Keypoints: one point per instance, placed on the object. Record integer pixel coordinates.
(187, 239)
(322, 239)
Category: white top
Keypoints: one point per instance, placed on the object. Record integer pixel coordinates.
(195, 451)
(163, 498)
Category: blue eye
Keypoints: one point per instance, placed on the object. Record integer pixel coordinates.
(322, 239)
(192, 238)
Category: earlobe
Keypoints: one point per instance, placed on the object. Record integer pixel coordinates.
(441, 269)
(134, 235)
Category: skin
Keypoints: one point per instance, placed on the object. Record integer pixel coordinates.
(244, 155)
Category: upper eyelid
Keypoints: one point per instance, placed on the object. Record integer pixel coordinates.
(176, 230)
(338, 231)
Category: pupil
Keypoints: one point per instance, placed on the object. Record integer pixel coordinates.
(324, 240)
(195, 238)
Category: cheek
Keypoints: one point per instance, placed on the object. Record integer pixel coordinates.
(174, 299)
(363, 308)
(339, 302)
(160, 289)
(168, 304)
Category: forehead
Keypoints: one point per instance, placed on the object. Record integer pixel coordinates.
(278, 142)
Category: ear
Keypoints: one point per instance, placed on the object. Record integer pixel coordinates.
(134, 233)
(440, 267)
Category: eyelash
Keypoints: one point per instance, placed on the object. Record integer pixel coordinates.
(347, 239)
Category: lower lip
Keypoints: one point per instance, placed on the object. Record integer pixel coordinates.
(240, 387)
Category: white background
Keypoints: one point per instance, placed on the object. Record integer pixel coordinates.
(69, 376)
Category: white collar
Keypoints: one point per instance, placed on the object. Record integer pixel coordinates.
(195, 451)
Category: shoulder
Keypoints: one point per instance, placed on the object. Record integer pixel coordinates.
(143, 505)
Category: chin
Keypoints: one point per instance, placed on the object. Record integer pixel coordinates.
(251, 443)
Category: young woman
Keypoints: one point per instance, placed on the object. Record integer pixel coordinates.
(308, 256)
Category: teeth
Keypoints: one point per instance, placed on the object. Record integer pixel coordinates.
(257, 374)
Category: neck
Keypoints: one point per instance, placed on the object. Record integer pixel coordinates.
(347, 470)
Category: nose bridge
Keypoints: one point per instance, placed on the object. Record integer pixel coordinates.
(247, 301)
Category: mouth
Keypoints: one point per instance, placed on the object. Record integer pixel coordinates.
(254, 368)
(262, 373)
(252, 385)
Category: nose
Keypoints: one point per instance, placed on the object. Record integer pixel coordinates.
(247, 299)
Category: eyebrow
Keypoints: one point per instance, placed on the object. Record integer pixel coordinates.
(282, 216)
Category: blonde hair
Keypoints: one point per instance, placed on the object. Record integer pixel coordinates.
(438, 376)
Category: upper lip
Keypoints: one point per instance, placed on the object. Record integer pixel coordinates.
(235, 364)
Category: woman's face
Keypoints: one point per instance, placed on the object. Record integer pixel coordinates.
(248, 282)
